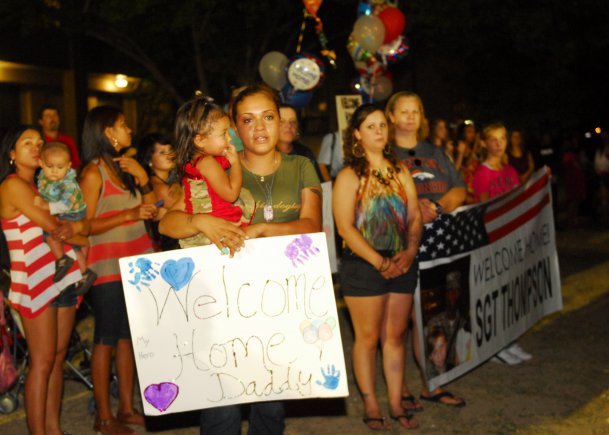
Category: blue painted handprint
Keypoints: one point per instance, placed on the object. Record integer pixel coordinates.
(144, 272)
(331, 377)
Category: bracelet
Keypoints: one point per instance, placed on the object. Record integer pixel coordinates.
(146, 188)
(385, 264)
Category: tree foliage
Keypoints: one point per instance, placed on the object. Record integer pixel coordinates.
(524, 62)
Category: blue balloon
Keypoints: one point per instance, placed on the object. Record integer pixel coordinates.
(298, 99)
(364, 8)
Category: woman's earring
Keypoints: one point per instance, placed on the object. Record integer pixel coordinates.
(11, 162)
(115, 143)
(357, 150)
(387, 150)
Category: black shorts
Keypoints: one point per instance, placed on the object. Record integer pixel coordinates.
(67, 298)
(360, 278)
(110, 311)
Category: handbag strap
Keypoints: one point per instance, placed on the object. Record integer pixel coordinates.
(332, 148)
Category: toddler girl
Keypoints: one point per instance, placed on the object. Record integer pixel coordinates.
(61, 195)
(204, 153)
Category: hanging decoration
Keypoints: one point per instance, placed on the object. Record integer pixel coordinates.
(310, 12)
(376, 42)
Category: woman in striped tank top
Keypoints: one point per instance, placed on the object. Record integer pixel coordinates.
(46, 309)
(119, 198)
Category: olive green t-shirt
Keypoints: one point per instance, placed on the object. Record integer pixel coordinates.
(283, 188)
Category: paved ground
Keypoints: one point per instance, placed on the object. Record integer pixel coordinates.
(564, 389)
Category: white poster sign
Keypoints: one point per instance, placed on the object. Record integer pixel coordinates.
(209, 330)
(345, 106)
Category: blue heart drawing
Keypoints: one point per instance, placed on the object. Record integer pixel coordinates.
(177, 273)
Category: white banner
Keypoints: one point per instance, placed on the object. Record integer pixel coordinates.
(487, 273)
(209, 330)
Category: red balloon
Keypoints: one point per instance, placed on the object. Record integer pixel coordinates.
(394, 21)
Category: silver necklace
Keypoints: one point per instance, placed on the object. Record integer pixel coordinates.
(267, 191)
(261, 176)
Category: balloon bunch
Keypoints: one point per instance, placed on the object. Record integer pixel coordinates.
(297, 78)
(317, 330)
(375, 43)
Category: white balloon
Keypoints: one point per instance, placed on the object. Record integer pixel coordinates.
(369, 32)
(272, 69)
(304, 74)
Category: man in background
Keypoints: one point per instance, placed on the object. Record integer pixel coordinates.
(49, 120)
(330, 155)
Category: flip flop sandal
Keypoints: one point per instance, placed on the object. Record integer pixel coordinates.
(381, 420)
(408, 419)
(437, 398)
(415, 405)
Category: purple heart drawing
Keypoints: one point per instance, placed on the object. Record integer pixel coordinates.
(177, 273)
(162, 395)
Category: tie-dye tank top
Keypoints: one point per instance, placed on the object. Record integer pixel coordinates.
(381, 212)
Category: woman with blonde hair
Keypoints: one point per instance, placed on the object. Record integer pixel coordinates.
(439, 185)
(440, 189)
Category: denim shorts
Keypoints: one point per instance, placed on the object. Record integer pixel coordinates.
(66, 298)
(360, 278)
(110, 311)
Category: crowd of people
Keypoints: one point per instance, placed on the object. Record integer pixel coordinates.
(69, 215)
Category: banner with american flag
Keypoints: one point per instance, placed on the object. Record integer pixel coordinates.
(488, 272)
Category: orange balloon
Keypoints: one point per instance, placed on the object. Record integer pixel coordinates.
(312, 6)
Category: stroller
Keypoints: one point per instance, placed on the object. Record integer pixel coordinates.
(12, 355)
(14, 362)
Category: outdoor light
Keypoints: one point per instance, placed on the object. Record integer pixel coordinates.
(121, 81)
(587, 135)
(597, 130)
